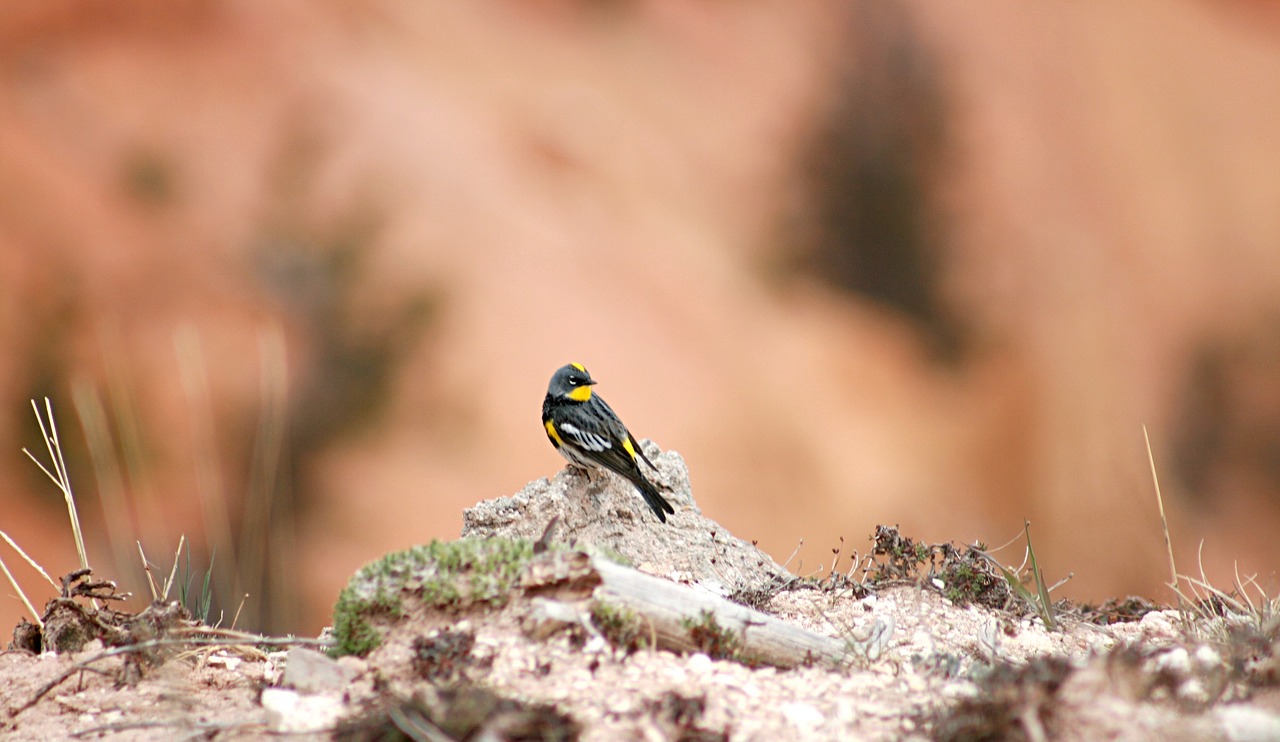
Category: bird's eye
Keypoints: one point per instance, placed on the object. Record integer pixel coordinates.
(573, 381)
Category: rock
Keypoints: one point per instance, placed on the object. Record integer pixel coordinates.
(1240, 723)
(546, 617)
(26, 636)
(608, 513)
(289, 712)
(309, 671)
(803, 716)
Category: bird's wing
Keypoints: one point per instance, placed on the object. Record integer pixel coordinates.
(607, 441)
(585, 436)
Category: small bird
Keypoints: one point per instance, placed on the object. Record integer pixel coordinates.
(585, 430)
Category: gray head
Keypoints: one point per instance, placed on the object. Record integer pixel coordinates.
(571, 382)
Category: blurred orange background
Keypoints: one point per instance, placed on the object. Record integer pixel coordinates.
(295, 275)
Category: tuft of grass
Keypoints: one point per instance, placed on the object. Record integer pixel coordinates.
(200, 607)
(124, 456)
(1243, 622)
(57, 473)
(1244, 619)
(60, 477)
(440, 574)
(210, 487)
(1221, 613)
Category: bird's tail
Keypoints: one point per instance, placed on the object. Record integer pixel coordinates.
(653, 497)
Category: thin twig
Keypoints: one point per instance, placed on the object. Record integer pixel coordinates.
(793, 554)
(204, 728)
(164, 642)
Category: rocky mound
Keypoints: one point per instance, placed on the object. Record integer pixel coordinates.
(604, 511)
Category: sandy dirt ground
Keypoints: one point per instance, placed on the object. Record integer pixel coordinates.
(919, 660)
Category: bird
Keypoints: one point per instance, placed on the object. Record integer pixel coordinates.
(587, 432)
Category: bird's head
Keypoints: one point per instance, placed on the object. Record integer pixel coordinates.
(572, 382)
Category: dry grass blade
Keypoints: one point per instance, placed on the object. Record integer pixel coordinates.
(264, 508)
(210, 486)
(146, 569)
(115, 506)
(1205, 592)
(173, 571)
(161, 592)
(60, 478)
(30, 608)
(1006, 545)
(13, 544)
(236, 618)
(1164, 521)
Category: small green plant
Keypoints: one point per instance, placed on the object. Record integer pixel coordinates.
(963, 574)
(716, 641)
(621, 626)
(440, 574)
(1039, 601)
(201, 606)
(182, 576)
(962, 584)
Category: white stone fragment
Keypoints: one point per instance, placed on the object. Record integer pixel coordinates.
(698, 663)
(803, 716)
(310, 671)
(222, 658)
(292, 713)
(1241, 723)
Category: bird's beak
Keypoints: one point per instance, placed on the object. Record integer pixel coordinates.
(590, 382)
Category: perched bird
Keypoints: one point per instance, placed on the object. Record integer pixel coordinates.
(585, 430)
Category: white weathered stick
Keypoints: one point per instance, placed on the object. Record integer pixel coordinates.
(669, 607)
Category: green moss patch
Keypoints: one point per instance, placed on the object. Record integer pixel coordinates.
(440, 574)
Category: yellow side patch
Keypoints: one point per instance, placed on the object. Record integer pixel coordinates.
(553, 433)
(579, 366)
(581, 394)
(630, 448)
